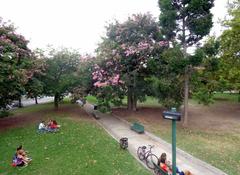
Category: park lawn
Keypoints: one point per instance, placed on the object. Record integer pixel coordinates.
(150, 101)
(32, 108)
(38, 107)
(219, 149)
(226, 96)
(91, 99)
(80, 147)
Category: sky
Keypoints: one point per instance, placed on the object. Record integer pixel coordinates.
(79, 24)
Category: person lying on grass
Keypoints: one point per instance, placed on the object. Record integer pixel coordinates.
(167, 167)
(20, 158)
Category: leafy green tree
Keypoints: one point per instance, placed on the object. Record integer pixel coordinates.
(185, 22)
(205, 79)
(230, 49)
(34, 89)
(84, 72)
(60, 75)
(15, 64)
(34, 86)
(165, 77)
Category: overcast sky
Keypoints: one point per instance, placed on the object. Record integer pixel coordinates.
(78, 23)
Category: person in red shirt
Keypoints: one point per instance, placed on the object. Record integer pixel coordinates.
(53, 126)
(163, 163)
(167, 167)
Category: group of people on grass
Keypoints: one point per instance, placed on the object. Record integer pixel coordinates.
(51, 126)
(167, 167)
(20, 158)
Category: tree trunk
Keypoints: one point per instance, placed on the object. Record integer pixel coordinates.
(134, 97)
(20, 103)
(134, 107)
(36, 101)
(132, 100)
(129, 98)
(186, 93)
(56, 101)
(186, 76)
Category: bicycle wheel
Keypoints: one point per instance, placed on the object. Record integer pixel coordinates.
(150, 159)
(140, 153)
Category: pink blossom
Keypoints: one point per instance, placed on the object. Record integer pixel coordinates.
(115, 79)
(99, 84)
(130, 51)
(143, 45)
(163, 43)
(95, 77)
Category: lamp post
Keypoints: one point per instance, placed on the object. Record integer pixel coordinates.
(174, 116)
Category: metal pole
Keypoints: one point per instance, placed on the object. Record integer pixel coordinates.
(174, 147)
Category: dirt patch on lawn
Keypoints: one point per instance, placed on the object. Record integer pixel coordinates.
(221, 116)
(20, 120)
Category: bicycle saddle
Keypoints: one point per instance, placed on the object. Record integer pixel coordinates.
(144, 147)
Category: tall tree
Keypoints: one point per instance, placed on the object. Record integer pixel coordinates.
(230, 49)
(15, 64)
(60, 77)
(205, 79)
(185, 22)
(126, 50)
(84, 73)
(34, 86)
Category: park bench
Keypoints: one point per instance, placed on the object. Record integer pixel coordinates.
(137, 127)
(158, 170)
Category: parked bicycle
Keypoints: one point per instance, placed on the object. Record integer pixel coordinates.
(147, 156)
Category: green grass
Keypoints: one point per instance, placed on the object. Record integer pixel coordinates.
(226, 97)
(33, 108)
(91, 99)
(150, 102)
(219, 149)
(39, 107)
(79, 148)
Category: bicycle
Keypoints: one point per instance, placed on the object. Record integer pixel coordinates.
(148, 156)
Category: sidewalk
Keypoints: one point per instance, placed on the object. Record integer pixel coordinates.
(119, 128)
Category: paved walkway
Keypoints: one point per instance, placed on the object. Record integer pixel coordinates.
(119, 128)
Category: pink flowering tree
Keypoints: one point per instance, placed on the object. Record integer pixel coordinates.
(15, 63)
(126, 54)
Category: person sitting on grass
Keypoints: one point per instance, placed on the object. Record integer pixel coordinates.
(20, 158)
(53, 126)
(42, 127)
(167, 167)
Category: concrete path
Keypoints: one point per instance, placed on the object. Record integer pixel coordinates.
(119, 128)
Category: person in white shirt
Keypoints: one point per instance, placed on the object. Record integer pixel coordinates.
(42, 126)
